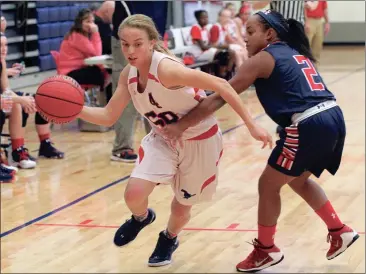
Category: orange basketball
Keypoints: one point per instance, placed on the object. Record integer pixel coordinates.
(59, 99)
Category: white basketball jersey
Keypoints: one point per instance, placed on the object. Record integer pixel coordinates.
(162, 106)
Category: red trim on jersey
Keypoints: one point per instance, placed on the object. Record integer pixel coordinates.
(207, 182)
(152, 77)
(208, 134)
(141, 154)
(196, 33)
(219, 157)
(197, 97)
(132, 80)
(214, 33)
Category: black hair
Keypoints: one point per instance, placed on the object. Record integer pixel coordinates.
(294, 34)
(78, 22)
(198, 14)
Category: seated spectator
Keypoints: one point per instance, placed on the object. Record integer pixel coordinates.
(220, 37)
(81, 42)
(202, 50)
(11, 105)
(242, 18)
(43, 128)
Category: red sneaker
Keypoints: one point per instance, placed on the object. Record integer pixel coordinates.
(260, 258)
(340, 240)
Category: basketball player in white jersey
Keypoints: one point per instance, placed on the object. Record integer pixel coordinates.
(161, 90)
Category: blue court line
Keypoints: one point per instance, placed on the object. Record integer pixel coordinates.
(63, 207)
(126, 177)
(87, 196)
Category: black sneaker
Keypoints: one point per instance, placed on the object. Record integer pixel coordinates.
(131, 228)
(164, 249)
(46, 150)
(127, 156)
(5, 177)
(5, 170)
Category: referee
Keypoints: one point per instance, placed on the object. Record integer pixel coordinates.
(289, 9)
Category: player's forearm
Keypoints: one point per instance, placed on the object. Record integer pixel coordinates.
(234, 100)
(201, 112)
(97, 116)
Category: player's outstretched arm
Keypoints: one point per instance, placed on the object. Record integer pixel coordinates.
(108, 115)
(172, 75)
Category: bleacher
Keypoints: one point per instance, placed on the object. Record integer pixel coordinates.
(36, 28)
(54, 20)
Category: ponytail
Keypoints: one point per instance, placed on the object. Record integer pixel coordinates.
(159, 46)
(297, 39)
(290, 31)
(145, 23)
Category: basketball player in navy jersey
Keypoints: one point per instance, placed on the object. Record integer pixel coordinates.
(295, 97)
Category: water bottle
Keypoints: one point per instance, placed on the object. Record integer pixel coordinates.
(6, 101)
(21, 69)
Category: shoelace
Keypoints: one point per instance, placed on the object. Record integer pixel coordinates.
(23, 153)
(128, 152)
(255, 253)
(333, 242)
(161, 247)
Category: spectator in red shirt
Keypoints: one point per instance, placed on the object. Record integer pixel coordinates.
(203, 50)
(81, 42)
(315, 12)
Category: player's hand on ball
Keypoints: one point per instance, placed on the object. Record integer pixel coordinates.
(28, 104)
(260, 134)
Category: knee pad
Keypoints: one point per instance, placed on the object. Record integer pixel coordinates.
(39, 120)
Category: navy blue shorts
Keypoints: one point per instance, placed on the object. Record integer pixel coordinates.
(315, 144)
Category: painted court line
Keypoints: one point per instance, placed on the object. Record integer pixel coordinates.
(85, 222)
(37, 219)
(186, 229)
(62, 207)
(230, 228)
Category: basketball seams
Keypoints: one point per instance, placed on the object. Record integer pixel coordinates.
(58, 98)
(80, 91)
(61, 117)
(59, 101)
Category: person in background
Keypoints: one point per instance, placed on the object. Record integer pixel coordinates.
(11, 106)
(242, 18)
(81, 42)
(43, 127)
(103, 19)
(124, 128)
(203, 49)
(316, 11)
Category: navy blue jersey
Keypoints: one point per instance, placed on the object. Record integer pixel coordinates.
(293, 87)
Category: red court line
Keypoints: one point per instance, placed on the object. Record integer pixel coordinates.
(233, 226)
(85, 222)
(114, 226)
(186, 229)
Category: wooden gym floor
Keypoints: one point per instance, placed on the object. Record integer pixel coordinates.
(61, 216)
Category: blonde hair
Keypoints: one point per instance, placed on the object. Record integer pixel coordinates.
(145, 23)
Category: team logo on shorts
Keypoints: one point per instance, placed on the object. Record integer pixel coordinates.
(186, 195)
